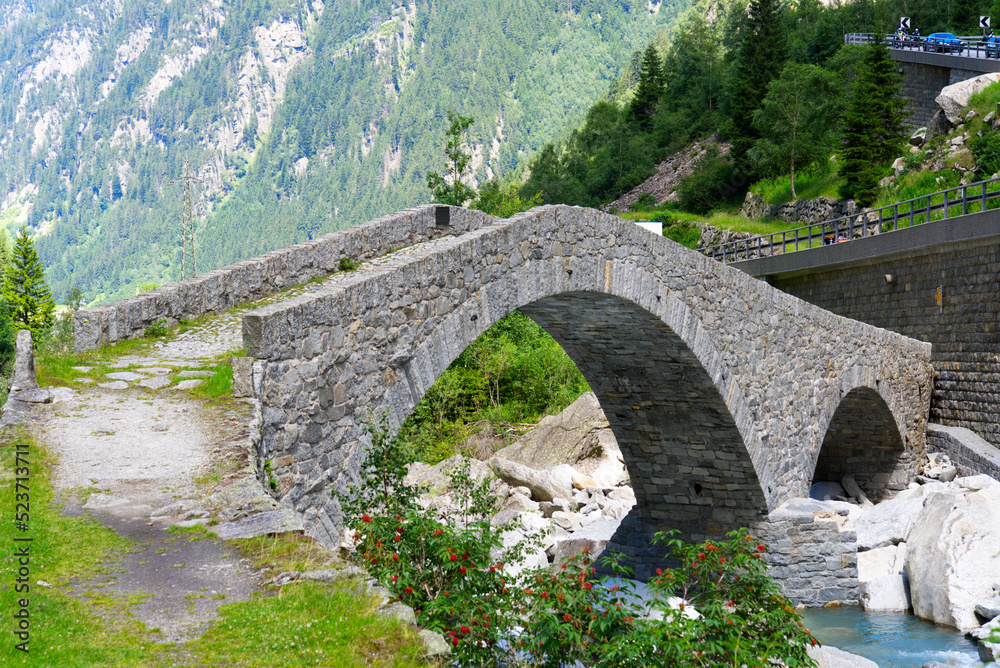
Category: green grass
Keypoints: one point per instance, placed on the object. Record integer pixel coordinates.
(308, 624)
(219, 384)
(809, 184)
(65, 630)
(302, 625)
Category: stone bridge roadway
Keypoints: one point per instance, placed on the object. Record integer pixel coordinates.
(726, 396)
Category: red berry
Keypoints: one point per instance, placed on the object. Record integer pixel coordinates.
(453, 557)
(366, 518)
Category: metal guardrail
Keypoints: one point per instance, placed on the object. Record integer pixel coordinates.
(973, 46)
(971, 198)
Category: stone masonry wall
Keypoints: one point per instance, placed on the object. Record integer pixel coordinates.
(252, 279)
(969, 453)
(921, 85)
(811, 557)
(947, 295)
(754, 375)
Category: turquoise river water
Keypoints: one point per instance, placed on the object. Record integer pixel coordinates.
(890, 639)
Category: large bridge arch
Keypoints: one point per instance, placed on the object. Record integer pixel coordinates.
(768, 367)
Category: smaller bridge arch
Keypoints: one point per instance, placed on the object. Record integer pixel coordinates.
(713, 381)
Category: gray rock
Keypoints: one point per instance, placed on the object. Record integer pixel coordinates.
(951, 553)
(853, 490)
(175, 508)
(242, 376)
(825, 491)
(437, 478)
(549, 507)
(127, 376)
(117, 385)
(919, 137)
(15, 412)
(36, 396)
(989, 608)
(188, 384)
(568, 521)
(988, 636)
(831, 657)
(149, 370)
(435, 647)
(504, 517)
(283, 520)
(24, 363)
(886, 593)
(400, 611)
(202, 521)
(61, 394)
(520, 503)
(593, 537)
(555, 483)
(198, 373)
(155, 383)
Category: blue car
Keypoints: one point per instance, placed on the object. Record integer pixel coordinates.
(943, 42)
(992, 47)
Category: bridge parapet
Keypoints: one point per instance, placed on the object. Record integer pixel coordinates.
(720, 389)
(258, 277)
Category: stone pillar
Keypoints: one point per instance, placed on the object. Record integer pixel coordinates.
(24, 364)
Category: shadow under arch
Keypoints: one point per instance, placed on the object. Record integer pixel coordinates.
(689, 464)
(863, 441)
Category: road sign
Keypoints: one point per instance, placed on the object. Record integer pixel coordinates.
(984, 22)
(904, 22)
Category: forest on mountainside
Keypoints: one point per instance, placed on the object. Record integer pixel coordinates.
(773, 78)
(299, 118)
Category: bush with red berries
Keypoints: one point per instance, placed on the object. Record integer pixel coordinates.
(716, 607)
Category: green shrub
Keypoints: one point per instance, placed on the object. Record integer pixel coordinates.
(156, 329)
(986, 151)
(457, 575)
(347, 264)
(714, 182)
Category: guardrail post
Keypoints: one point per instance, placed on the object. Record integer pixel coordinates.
(946, 204)
(965, 200)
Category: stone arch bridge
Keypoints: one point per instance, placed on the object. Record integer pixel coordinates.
(726, 395)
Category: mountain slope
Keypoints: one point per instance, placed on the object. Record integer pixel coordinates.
(298, 117)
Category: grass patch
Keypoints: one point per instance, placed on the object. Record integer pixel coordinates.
(285, 552)
(809, 184)
(65, 630)
(219, 384)
(192, 533)
(307, 625)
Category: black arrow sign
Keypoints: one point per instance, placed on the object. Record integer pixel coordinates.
(904, 22)
(984, 22)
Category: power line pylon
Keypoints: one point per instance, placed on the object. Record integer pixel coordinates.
(187, 221)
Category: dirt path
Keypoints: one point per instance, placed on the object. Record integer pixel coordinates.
(139, 453)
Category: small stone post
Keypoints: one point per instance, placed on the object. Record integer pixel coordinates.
(24, 364)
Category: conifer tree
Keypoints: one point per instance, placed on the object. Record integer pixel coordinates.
(451, 188)
(650, 88)
(761, 58)
(873, 131)
(24, 289)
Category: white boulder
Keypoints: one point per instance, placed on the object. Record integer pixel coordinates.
(831, 657)
(554, 483)
(890, 522)
(886, 593)
(953, 554)
(888, 560)
(954, 98)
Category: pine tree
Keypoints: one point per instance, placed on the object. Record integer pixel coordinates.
(24, 289)
(451, 188)
(650, 88)
(761, 58)
(873, 131)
